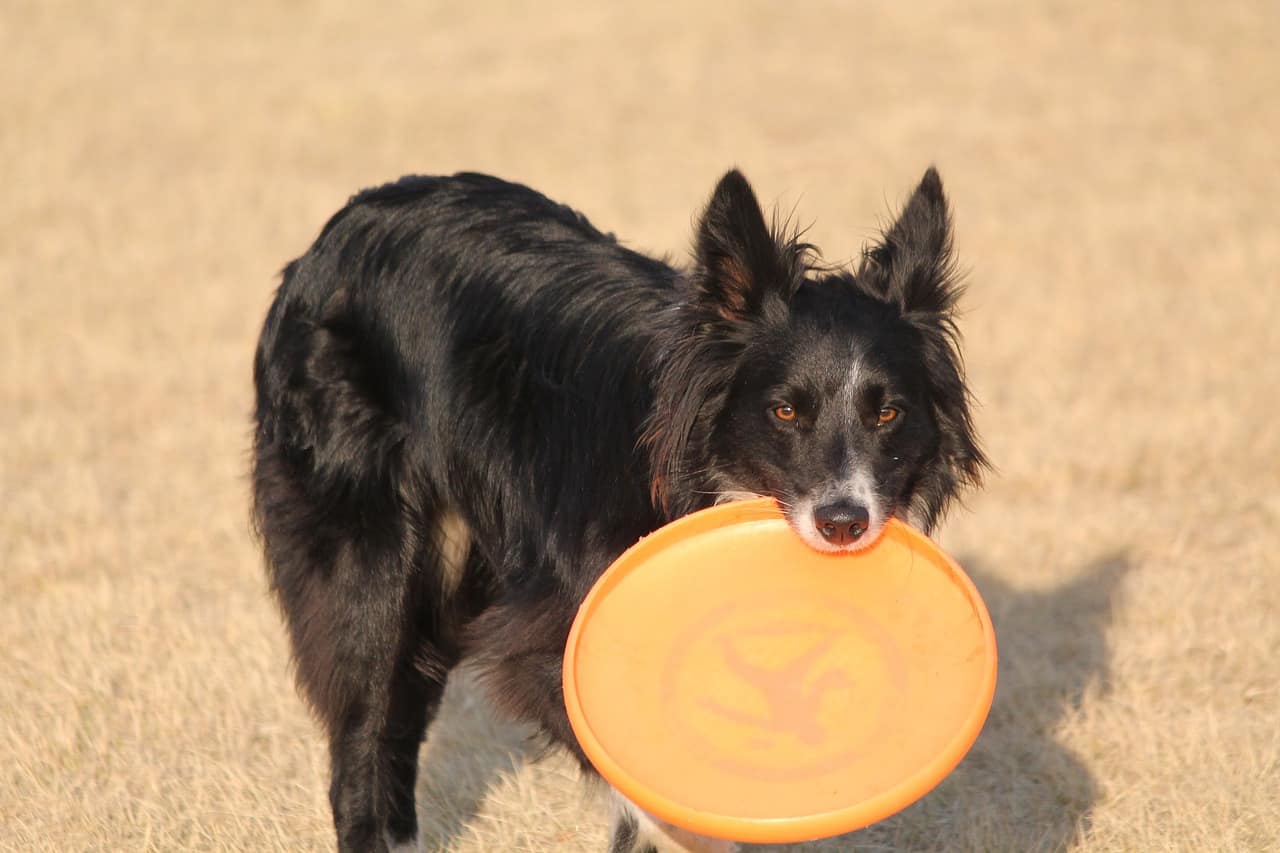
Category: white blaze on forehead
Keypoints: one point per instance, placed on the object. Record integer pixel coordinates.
(856, 480)
(849, 387)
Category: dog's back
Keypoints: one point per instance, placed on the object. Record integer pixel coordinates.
(451, 385)
(465, 325)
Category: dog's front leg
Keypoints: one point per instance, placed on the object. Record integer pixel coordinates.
(637, 831)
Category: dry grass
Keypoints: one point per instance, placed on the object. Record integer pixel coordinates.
(1115, 175)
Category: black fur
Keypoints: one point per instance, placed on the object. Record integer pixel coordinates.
(464, 348)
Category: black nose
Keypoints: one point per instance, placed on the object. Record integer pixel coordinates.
(841, 522)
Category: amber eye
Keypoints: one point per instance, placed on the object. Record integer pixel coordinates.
(887, 415)
(784, 412)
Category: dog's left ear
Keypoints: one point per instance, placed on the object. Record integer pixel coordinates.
(742, 263)
(912, 265)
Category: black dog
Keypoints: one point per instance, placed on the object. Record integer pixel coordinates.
(470, 401)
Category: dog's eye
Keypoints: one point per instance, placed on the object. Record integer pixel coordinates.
(784, 412)
(887, 416)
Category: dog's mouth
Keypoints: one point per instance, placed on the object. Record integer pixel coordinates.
(830, 527)
(835, 537)
(840, 521)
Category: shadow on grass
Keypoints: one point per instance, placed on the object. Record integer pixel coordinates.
(1019, 788)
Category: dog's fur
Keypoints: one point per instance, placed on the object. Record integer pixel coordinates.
(470, 401)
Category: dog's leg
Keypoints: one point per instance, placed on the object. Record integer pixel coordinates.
(519, 650)
(413, 702)
(374, 763)
(636, 831)
(376, 735)
(625, 835)
(378, 723)
(446, 580)
(373, 653)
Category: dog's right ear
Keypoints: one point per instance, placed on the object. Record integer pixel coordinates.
(742, 263)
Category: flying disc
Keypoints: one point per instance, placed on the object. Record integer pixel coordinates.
(730, 680)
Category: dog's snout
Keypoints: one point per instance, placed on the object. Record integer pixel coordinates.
(841, 522)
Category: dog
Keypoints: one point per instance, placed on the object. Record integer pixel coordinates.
(469, 401)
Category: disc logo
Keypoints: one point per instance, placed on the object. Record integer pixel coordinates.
(784, 699)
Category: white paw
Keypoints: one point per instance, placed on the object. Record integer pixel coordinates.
(669, 838)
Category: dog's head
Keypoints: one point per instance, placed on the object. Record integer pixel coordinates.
(839, 393)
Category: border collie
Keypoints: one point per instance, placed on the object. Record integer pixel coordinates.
(470, 401)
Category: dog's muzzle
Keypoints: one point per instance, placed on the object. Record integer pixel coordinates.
(841, 522)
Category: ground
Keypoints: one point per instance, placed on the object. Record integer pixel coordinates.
(1115, 176)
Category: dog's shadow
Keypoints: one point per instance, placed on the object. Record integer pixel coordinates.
(1019, 788)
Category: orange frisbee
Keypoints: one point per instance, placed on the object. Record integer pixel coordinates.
(732, 681)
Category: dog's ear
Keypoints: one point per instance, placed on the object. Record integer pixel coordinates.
(912, 264)
(913, 267)
(742, 262)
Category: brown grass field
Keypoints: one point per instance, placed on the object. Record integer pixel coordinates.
(1115, 174)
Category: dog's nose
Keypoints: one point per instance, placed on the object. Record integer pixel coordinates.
(841, 522)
